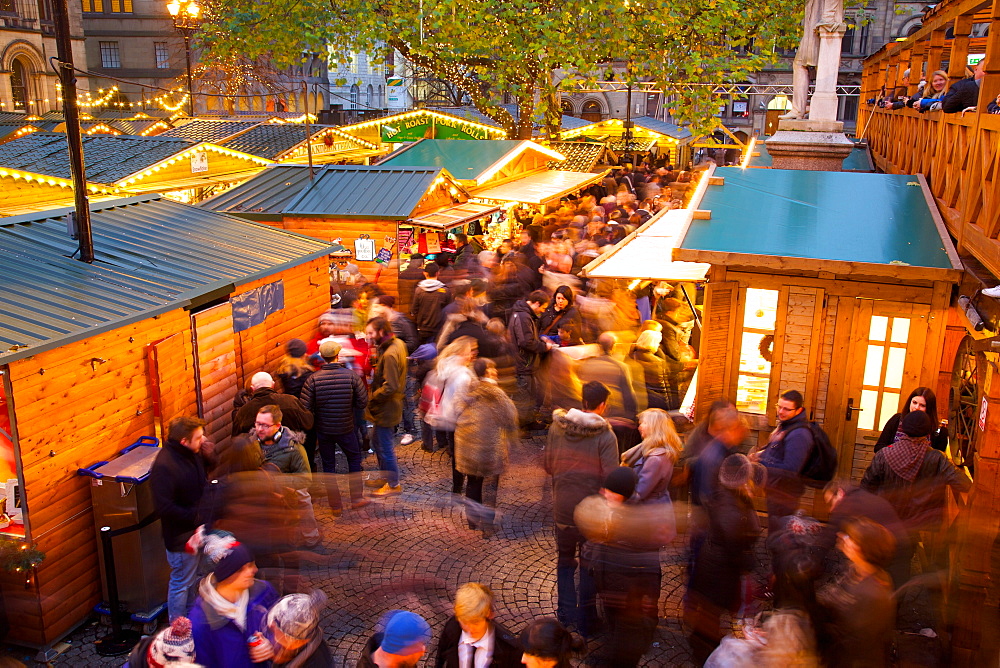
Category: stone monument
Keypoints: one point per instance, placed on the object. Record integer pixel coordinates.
(816, 142)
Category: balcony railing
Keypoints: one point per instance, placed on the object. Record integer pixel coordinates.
(958, 153)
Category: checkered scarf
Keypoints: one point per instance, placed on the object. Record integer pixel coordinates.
(906, 455)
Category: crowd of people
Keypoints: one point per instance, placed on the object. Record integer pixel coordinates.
(482, 347)
(934, 94)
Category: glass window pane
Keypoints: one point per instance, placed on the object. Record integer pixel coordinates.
(761, 309)
(900, 330)
(879, 325)
(894, 368)
(890, 405)
(869, 404)
(873, 366)
(751, 394)
(750, 359)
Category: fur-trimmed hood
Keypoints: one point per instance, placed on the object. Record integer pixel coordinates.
(577, 424)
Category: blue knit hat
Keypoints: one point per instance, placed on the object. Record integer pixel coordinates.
(404, 633)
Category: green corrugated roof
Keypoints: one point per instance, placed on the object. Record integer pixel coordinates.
(846, 216)
(264, 196)
(465, 159)
(109, 158)
(859, 160)
(152, 255)
(362, 191)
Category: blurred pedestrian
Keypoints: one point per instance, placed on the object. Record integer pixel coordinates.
(615, 375)
(385, 404)
(653, 459)
(295, 633)
(920, 399)
(523, 329)
(547, 644)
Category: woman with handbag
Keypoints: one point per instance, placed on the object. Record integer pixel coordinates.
(653, 459)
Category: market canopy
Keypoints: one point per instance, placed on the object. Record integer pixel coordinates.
(474, 162)
(540, 188)
(644, 253)
(450, 217)
(802, 221)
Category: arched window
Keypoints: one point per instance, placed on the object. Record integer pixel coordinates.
(381, 96)
(567, 107)
(591, 111)
(370, 97)
(19, 84)
(355, 94)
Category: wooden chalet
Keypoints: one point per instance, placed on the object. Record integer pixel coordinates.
(408, 126)
(179, 309)
(647, 134)
(182, 169)
(294, 142)
(395, 207)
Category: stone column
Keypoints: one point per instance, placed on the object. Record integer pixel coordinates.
(823, 104)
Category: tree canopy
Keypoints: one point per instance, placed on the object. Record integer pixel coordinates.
(528, 50)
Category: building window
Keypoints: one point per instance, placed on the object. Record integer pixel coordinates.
(110, 6)
(754, 380)
(847, 43)
(162, 55)
(120, 6)
(591, 111)
(355, 94)
(109, 55)
(93, 5)
(883, 374)
(381, 96)
(370, 97)
(19, 85)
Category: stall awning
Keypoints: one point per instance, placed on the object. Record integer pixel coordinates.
(453, 216)
(645, 254)
(540, 188)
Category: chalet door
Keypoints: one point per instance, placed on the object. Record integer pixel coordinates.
(215, 375)
(170, 379)
(884, 365)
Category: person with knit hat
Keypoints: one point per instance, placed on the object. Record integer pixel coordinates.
(294, 630)
(401, 644)
(622, 552)
(170, 646)
(726, 554)
(228, 616)
(913, 477)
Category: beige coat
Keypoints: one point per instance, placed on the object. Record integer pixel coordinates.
(485, 430)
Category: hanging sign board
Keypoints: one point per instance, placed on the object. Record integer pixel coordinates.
(364, 249)
(405, 235)
(412, 129)
(199, 162)
(433, 243)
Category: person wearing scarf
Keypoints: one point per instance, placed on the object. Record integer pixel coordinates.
(913, 477)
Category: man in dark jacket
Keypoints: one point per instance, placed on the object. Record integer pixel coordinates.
(581, 452)
(262, 385)
(429, 300)
(408, 279)
(472, 632)
(530, 236)
(785, 457)
(523, 329)
(965, 93)
(333, 394)
(178, 482)
(385, 404)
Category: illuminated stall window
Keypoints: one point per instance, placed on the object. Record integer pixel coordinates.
(756, 342)
(883, 373)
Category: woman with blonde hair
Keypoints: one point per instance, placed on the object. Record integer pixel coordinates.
(452, 376)
(653, 459)
(934, 90)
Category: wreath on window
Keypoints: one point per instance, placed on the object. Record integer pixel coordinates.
(766, 347)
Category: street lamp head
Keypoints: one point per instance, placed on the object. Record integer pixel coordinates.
(193, 10)
(174, 7)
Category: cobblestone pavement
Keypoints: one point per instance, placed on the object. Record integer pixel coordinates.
(412, 551)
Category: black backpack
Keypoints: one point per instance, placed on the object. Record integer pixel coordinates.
(821, 465)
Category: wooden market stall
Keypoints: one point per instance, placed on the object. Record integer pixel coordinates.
(23, 192)
(837, 284)
(179, 309)
(647, 133)
(410, 126)
(181, 169)
(368, 209)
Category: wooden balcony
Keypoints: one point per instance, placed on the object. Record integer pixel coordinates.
(958, 153)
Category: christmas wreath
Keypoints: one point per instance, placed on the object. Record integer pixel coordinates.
(766, 347)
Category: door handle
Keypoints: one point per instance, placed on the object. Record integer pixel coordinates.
(850, 410)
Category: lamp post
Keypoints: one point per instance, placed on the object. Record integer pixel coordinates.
(186, 14)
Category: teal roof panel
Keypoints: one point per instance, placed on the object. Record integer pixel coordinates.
(465, 159)
(152, 255)
(873, 218)
(264, 196)
(362, 191)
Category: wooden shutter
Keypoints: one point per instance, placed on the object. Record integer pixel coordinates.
(718, 344)
(215, 353)
(172, 380)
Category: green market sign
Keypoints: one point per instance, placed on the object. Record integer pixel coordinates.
(431, 127)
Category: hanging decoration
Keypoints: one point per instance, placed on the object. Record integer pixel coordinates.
(17, 556)
(364, 248)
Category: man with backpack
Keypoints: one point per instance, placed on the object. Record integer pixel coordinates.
(786, 457)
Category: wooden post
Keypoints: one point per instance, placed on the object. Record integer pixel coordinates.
(991, 83)
(959, 49)
(934, 51)
(916, 67)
